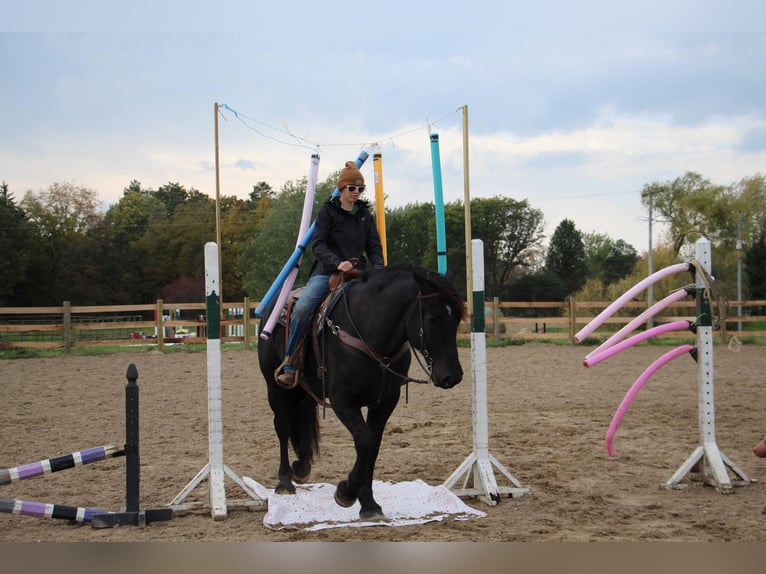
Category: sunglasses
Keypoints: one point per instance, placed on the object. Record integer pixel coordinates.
(352, 188)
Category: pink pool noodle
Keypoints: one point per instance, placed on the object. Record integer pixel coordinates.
(594, 359)
(631, 394)
(308, 202)
(642, 318)
(596, 322)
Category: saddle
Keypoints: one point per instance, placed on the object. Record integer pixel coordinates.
(337, 282)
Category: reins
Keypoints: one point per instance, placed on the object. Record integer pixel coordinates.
(357, 342)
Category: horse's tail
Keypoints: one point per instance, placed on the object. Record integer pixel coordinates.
(305, 435)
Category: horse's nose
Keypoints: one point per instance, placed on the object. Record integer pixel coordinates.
(449, 381)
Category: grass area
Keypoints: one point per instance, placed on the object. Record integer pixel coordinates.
(113, 350)
(463, 343)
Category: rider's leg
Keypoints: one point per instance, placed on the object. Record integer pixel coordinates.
(315, 290)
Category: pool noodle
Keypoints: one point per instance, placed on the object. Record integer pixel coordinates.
(631, 394)
(649, 333)
(629, 294)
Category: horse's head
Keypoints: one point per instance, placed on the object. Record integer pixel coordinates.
(433, 327)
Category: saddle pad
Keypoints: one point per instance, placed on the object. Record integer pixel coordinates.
(313, 506)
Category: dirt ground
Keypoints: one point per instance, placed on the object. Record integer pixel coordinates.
(548, 416)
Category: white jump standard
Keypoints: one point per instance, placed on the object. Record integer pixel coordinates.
(476, 470)
(215, 470)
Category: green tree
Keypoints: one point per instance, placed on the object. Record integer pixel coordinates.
(510, 230)
(173, 247)
(692, 206)
(239, 224)
(566, 256)
(755, 270)
(264, 255)
(411, 233)
(606, 259)
(62, 216)
(16, 246)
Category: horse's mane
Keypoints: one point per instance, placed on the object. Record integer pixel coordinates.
(436, 281)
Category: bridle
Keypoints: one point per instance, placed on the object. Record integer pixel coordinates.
(384, 362)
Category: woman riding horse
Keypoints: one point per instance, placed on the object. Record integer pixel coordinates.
(344, 230)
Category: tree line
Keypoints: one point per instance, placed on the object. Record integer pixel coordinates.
(58, 245)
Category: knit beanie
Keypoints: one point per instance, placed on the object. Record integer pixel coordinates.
(350, 175)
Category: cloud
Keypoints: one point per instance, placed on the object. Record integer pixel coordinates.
(753, 139)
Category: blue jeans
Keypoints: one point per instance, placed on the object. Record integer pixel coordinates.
(315, 290)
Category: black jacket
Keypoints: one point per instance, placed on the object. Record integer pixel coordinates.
(341, 235)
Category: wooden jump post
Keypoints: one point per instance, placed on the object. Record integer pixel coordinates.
(476, 470)
(215, 469)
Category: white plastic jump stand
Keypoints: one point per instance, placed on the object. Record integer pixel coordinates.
(707, 460)
(476, 471)
(215, 470)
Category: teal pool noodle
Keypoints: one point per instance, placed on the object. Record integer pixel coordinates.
(441, 235)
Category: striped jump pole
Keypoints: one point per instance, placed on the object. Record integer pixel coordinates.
(99, 518)
(47, 510)
(58, 463)
(476, 470)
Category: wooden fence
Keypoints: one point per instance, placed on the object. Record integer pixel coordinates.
(163, 323)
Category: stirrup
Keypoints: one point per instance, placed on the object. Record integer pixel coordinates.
(285, 380)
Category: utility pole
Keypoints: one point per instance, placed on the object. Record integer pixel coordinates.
(650, 292)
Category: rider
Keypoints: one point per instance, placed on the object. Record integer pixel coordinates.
(343, 231)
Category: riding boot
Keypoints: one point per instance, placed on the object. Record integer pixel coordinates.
(286, 376)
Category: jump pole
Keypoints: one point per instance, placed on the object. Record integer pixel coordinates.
(215, 469)
(287, 285)
(380, 210)
(48, 466)
(441, 235)
(707, 458)
(131, 514)
(476, 470)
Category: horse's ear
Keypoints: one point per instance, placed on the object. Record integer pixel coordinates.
(450, 275)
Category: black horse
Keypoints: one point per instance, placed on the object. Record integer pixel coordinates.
(361, 358)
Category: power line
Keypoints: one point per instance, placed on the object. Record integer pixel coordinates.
(300, 141)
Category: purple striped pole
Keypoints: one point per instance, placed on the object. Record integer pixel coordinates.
(58, 463)
(47, 510)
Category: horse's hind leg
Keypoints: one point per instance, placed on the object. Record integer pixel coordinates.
(305, 435)
(285, 484)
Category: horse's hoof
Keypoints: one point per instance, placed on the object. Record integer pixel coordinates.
(342, 500)
(284, 489)
(372, 515)
(301, 477)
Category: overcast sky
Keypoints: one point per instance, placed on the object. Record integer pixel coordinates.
(573, 106)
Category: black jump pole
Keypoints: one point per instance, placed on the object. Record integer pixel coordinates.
(132, 514)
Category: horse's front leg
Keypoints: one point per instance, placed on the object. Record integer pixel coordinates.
(347, 491)
(367, 437)
(377, 417)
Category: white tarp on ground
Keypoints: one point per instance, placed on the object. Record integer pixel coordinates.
(313, 507)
